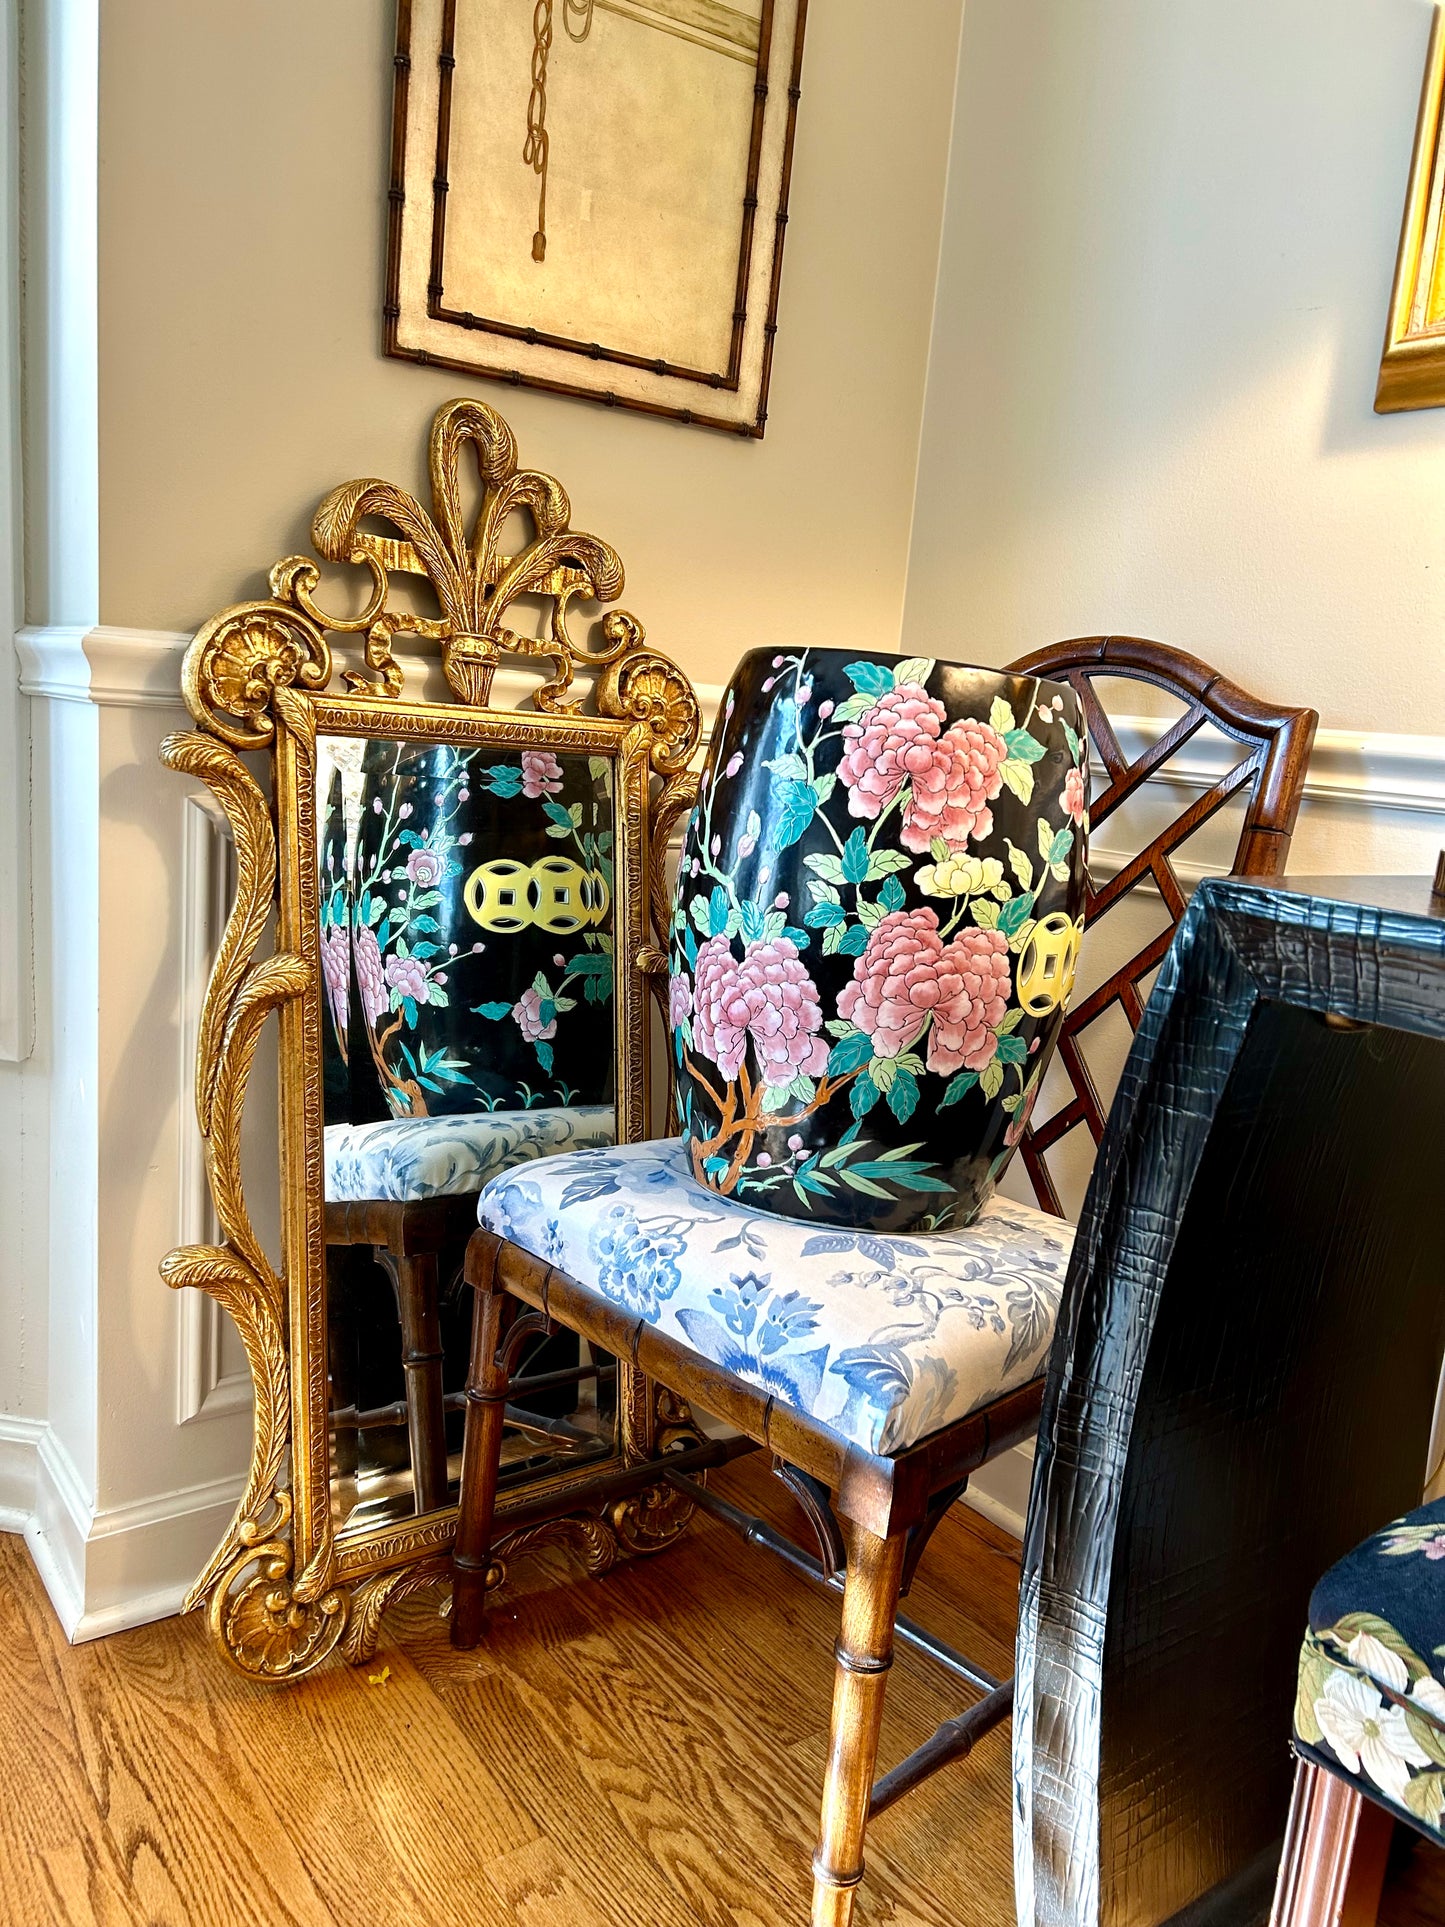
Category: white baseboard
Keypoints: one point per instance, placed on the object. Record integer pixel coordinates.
(109, 1570)
(57, 1529)
(142, 1559)
(1000, 1489)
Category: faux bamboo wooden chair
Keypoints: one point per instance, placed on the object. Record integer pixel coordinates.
(871, 1511)
(1275, 746)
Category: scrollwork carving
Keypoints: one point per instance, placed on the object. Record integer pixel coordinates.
(373, 1596)
(256, 1311)
(241, 658)
(651, 690)
(651, 1520)
(263, 1624)
(238, 1274)
(248, 652)
(255, 647)
(591, 1538)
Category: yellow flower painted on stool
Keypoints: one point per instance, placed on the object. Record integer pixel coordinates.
(963, 876)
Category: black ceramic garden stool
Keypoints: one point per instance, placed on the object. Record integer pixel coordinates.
(876, 934)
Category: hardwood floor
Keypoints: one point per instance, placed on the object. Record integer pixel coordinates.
(643, 1750)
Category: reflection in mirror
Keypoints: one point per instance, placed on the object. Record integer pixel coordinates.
(467, 956)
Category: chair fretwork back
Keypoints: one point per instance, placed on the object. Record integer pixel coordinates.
(1274, 754)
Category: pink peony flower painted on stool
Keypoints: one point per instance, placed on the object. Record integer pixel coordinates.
(370, 975)
(336, 973)
(951, 796)
(895, 738)
(876, 933)
(532, 1017)
(1076, 795)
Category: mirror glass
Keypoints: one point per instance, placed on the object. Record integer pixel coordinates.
(466, 904)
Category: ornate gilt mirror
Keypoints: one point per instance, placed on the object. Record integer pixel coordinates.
(467, 900)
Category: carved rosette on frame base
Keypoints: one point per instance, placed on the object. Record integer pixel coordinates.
(281, 1593)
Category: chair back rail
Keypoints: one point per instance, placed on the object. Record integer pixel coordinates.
(1275, 745)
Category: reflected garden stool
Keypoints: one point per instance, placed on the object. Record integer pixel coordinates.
(880, 1367)
(466, 942)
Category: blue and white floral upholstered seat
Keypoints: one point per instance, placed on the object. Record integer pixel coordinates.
(1371, 1702)
(443, 1157)
(883, 1340)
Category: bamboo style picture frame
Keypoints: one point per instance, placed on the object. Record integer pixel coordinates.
(590, 197)
(287, 1586)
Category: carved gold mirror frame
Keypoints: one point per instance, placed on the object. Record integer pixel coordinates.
(284, 1588)
(1412, 368)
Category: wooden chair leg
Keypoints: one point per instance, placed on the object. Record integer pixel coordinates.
(415, 1281)
(487, 1381)
(865, 1653)
(1332, 1868)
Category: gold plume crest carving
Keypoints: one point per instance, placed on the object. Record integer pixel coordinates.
(244, 655)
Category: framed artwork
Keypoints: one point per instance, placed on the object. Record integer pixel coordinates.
(1412, 369)
(590, 196)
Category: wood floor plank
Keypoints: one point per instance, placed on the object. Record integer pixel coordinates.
(187, 1811)
(57, 1861)
(82, 1882)
(602, 1746)
(535, 1887)
(378, 1789)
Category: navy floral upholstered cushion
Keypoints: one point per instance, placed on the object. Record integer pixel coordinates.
(442, 1157)
(1371, 1703)
(883, 1340)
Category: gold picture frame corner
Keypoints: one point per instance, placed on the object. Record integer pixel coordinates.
(1412, 365)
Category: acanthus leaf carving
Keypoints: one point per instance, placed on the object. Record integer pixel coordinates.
(256, 1309)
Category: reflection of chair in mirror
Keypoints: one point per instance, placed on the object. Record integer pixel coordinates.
(410, 1242)
(407, 1189)
(611, 1245)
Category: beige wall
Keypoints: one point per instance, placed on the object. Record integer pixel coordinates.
(1168, 248)
(243, 180)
